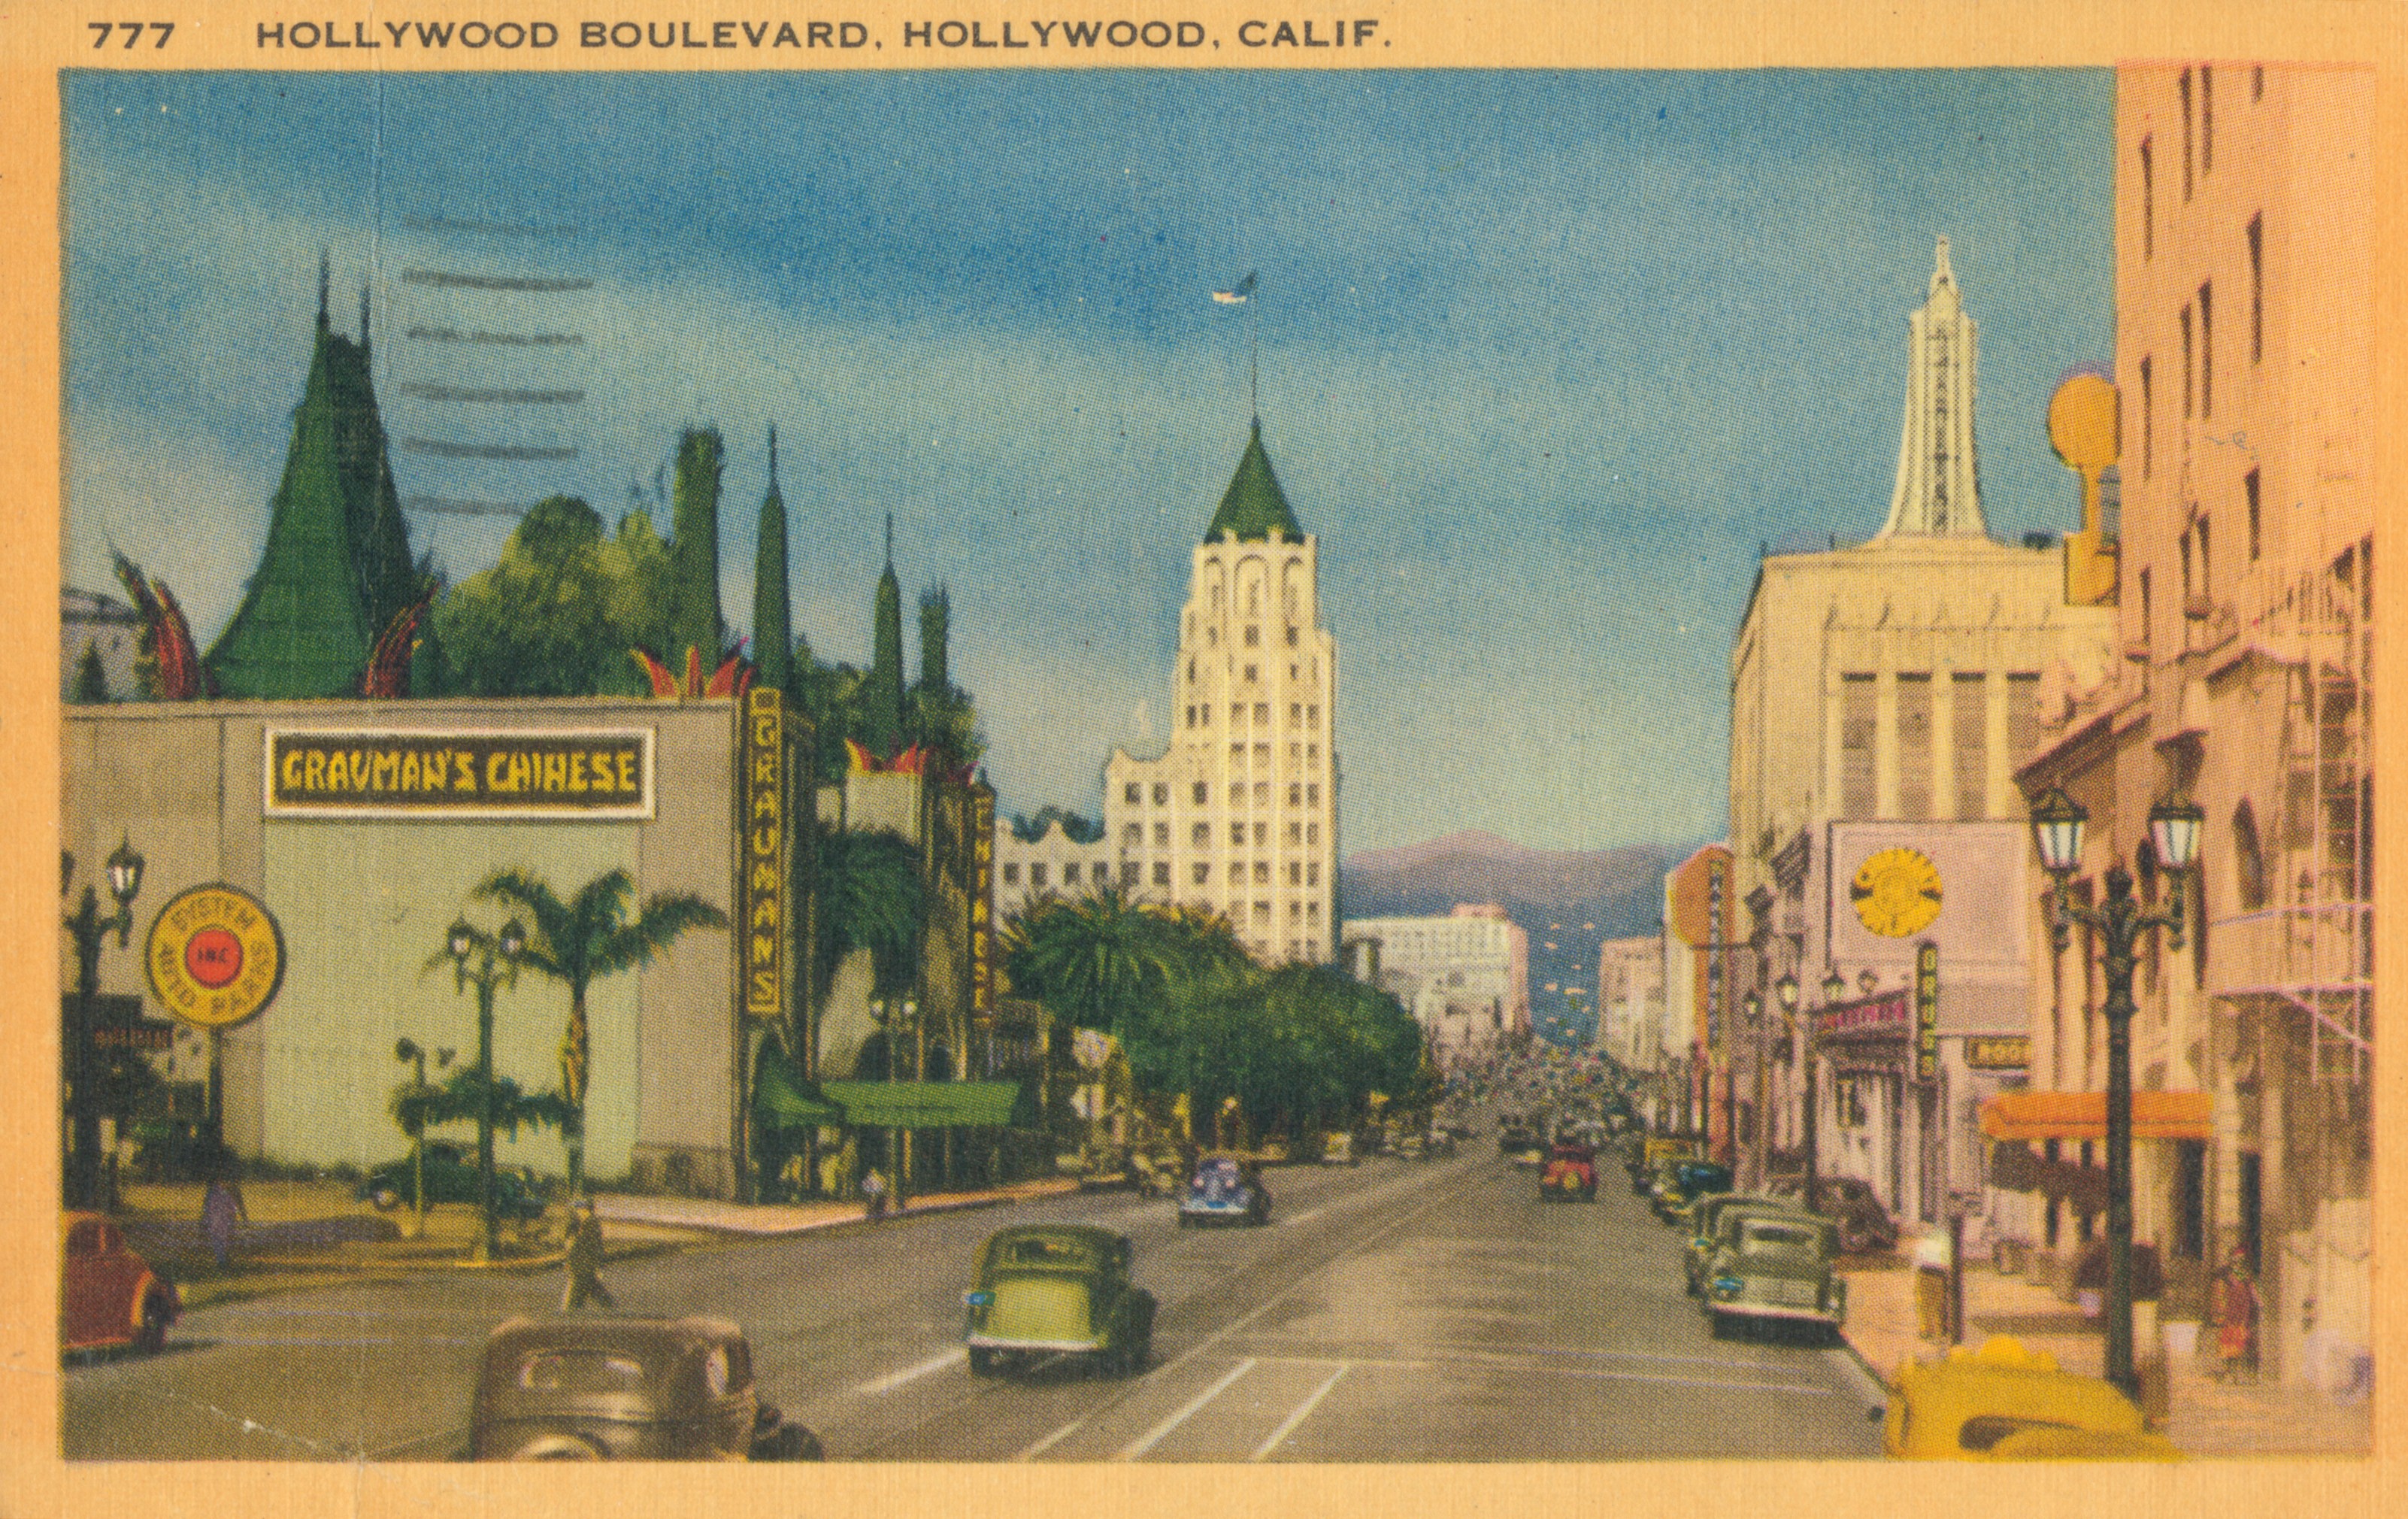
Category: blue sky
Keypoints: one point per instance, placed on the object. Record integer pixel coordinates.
(1545, 357)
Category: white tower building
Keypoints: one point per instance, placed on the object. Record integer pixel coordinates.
(1240, 816)
(1938, 477)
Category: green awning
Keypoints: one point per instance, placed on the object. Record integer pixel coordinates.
(783, 1101)
(930, 1104)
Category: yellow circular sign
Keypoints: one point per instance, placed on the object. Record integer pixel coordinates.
(215, 955)
(1897, 892)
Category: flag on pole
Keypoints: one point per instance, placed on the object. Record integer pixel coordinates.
(1236, 294)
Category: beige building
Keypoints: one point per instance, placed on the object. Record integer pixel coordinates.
(1897, 681)
(1630, 1001)
(2246, 366)
(1239, 815)
(365, 880)
(1052, 863)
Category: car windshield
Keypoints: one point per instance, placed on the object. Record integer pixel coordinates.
(1044, 1251)
(1779, 1241)
(580, 1372)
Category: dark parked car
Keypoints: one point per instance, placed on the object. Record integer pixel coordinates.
(618, 1389)
(1225, 1189)
(1769, 1266)
(450, 1176)
(1680, 1183)
(1865, 1225)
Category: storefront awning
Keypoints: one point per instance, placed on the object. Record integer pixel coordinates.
(2083, 1115)
(927, 1104)
(780, 1101)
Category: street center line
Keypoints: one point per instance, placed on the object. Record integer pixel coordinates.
(951, 1356)
(1056, 1438)
(1154, 1436)
(1279, 1436)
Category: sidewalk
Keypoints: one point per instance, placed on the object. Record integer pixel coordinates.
(765, 1219)
(2206, 1417)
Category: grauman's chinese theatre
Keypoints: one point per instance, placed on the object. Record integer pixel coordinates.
(364, 826)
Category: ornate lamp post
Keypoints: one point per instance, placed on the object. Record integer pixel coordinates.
(1835, 987)
(1785, 992)
(2120, 922)
(123, 868)
(497, 964)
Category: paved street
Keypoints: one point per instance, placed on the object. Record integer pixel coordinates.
(1391, 1312)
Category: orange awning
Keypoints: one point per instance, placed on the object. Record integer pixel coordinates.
(2083, 1115)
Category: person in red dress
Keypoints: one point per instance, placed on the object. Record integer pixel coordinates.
(2236, 1318)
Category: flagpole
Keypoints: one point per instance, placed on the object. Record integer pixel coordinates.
(1253, 361)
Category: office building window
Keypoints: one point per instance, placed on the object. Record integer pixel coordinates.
(1312, 716)
(1856, 746)
(1262, 794)
(2206, 120)
(2206, 571)
(1253, 637)
(1238, 834)
(1201, 835)
(1262, 912)
(1972, 742)
(1129, 869)
(1036, 873)
(1202, 791)
(1191, 714)
(1311, 793)
(1296, 794)
(1162, 872)
(1295, 913)
(1312, 753)
(1071, 873)
(1237, 713)
(1162, 834)
(2183, 85)
(1914, 747)
(1133, 834)
(1291, 638)
(1262, 714)
(2257, 288)
(1295, 873)
(1312, 833)
(1254, 673)
(1262, 835)
(2257, 84)
(1162, 794)
(2144, 605)
(2249, 492)
(1262, 872)
(1313, 912)
(1133, 793)
(1313, 874)
(1296, 833)
(2023, 715)
(1010, 873)
(1237, 750)
(2187, 363)
(1263, 755)
(1203, 871)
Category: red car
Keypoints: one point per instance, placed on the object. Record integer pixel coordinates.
(1572, 1173)
(108, 1295)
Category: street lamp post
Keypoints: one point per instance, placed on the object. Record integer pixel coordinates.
(89, 928)
(1784, 991)
(2119, 922)
(497, 964)
(1835, 986)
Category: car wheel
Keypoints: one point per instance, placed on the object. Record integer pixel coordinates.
(1719, 1324)
(982, 1362)
(385, 1199)
(1186, 1221)
(152, 1336)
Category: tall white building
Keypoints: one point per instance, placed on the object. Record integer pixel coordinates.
(1240, 816)
(1630, 1000)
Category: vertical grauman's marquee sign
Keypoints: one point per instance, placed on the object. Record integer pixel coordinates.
(762, 896)
(584, 775)
(981, 904)
(1926, 1011)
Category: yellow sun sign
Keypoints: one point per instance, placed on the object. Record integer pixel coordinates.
(215, 955)
(1897, 892)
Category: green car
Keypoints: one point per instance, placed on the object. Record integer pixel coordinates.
(450, 1176)
(1705, 1219)
(1042, 1290)
(1768, 1268)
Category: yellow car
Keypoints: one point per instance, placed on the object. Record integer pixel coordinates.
(2005, 1403)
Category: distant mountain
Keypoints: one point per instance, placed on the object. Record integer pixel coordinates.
(1554, 896)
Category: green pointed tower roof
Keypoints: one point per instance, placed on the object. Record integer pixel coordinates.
(301, 630)
(1254, 504)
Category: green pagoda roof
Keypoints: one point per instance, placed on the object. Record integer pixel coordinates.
(301, 630)
(1254, 504)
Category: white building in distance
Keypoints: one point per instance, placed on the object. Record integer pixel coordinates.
(1239, 815)
(1469, 973)
(1630, 1000)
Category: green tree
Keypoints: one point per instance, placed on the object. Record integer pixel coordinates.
(579, 941)
(537, 623)
(693, 591)
(1107, 961)
(880, 700)
(869, 898)
(91, 681)
(638, 570)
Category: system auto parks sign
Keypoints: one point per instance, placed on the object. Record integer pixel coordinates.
(583, 774)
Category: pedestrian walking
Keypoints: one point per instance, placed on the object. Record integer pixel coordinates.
(873, 1195)
(222, 1206)
(2236, 1318)
(586, 1261)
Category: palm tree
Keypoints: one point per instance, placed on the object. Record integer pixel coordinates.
(589, 936)
(869, 898)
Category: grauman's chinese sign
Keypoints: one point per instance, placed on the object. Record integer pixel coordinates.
(584, 774)
(763, 866)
